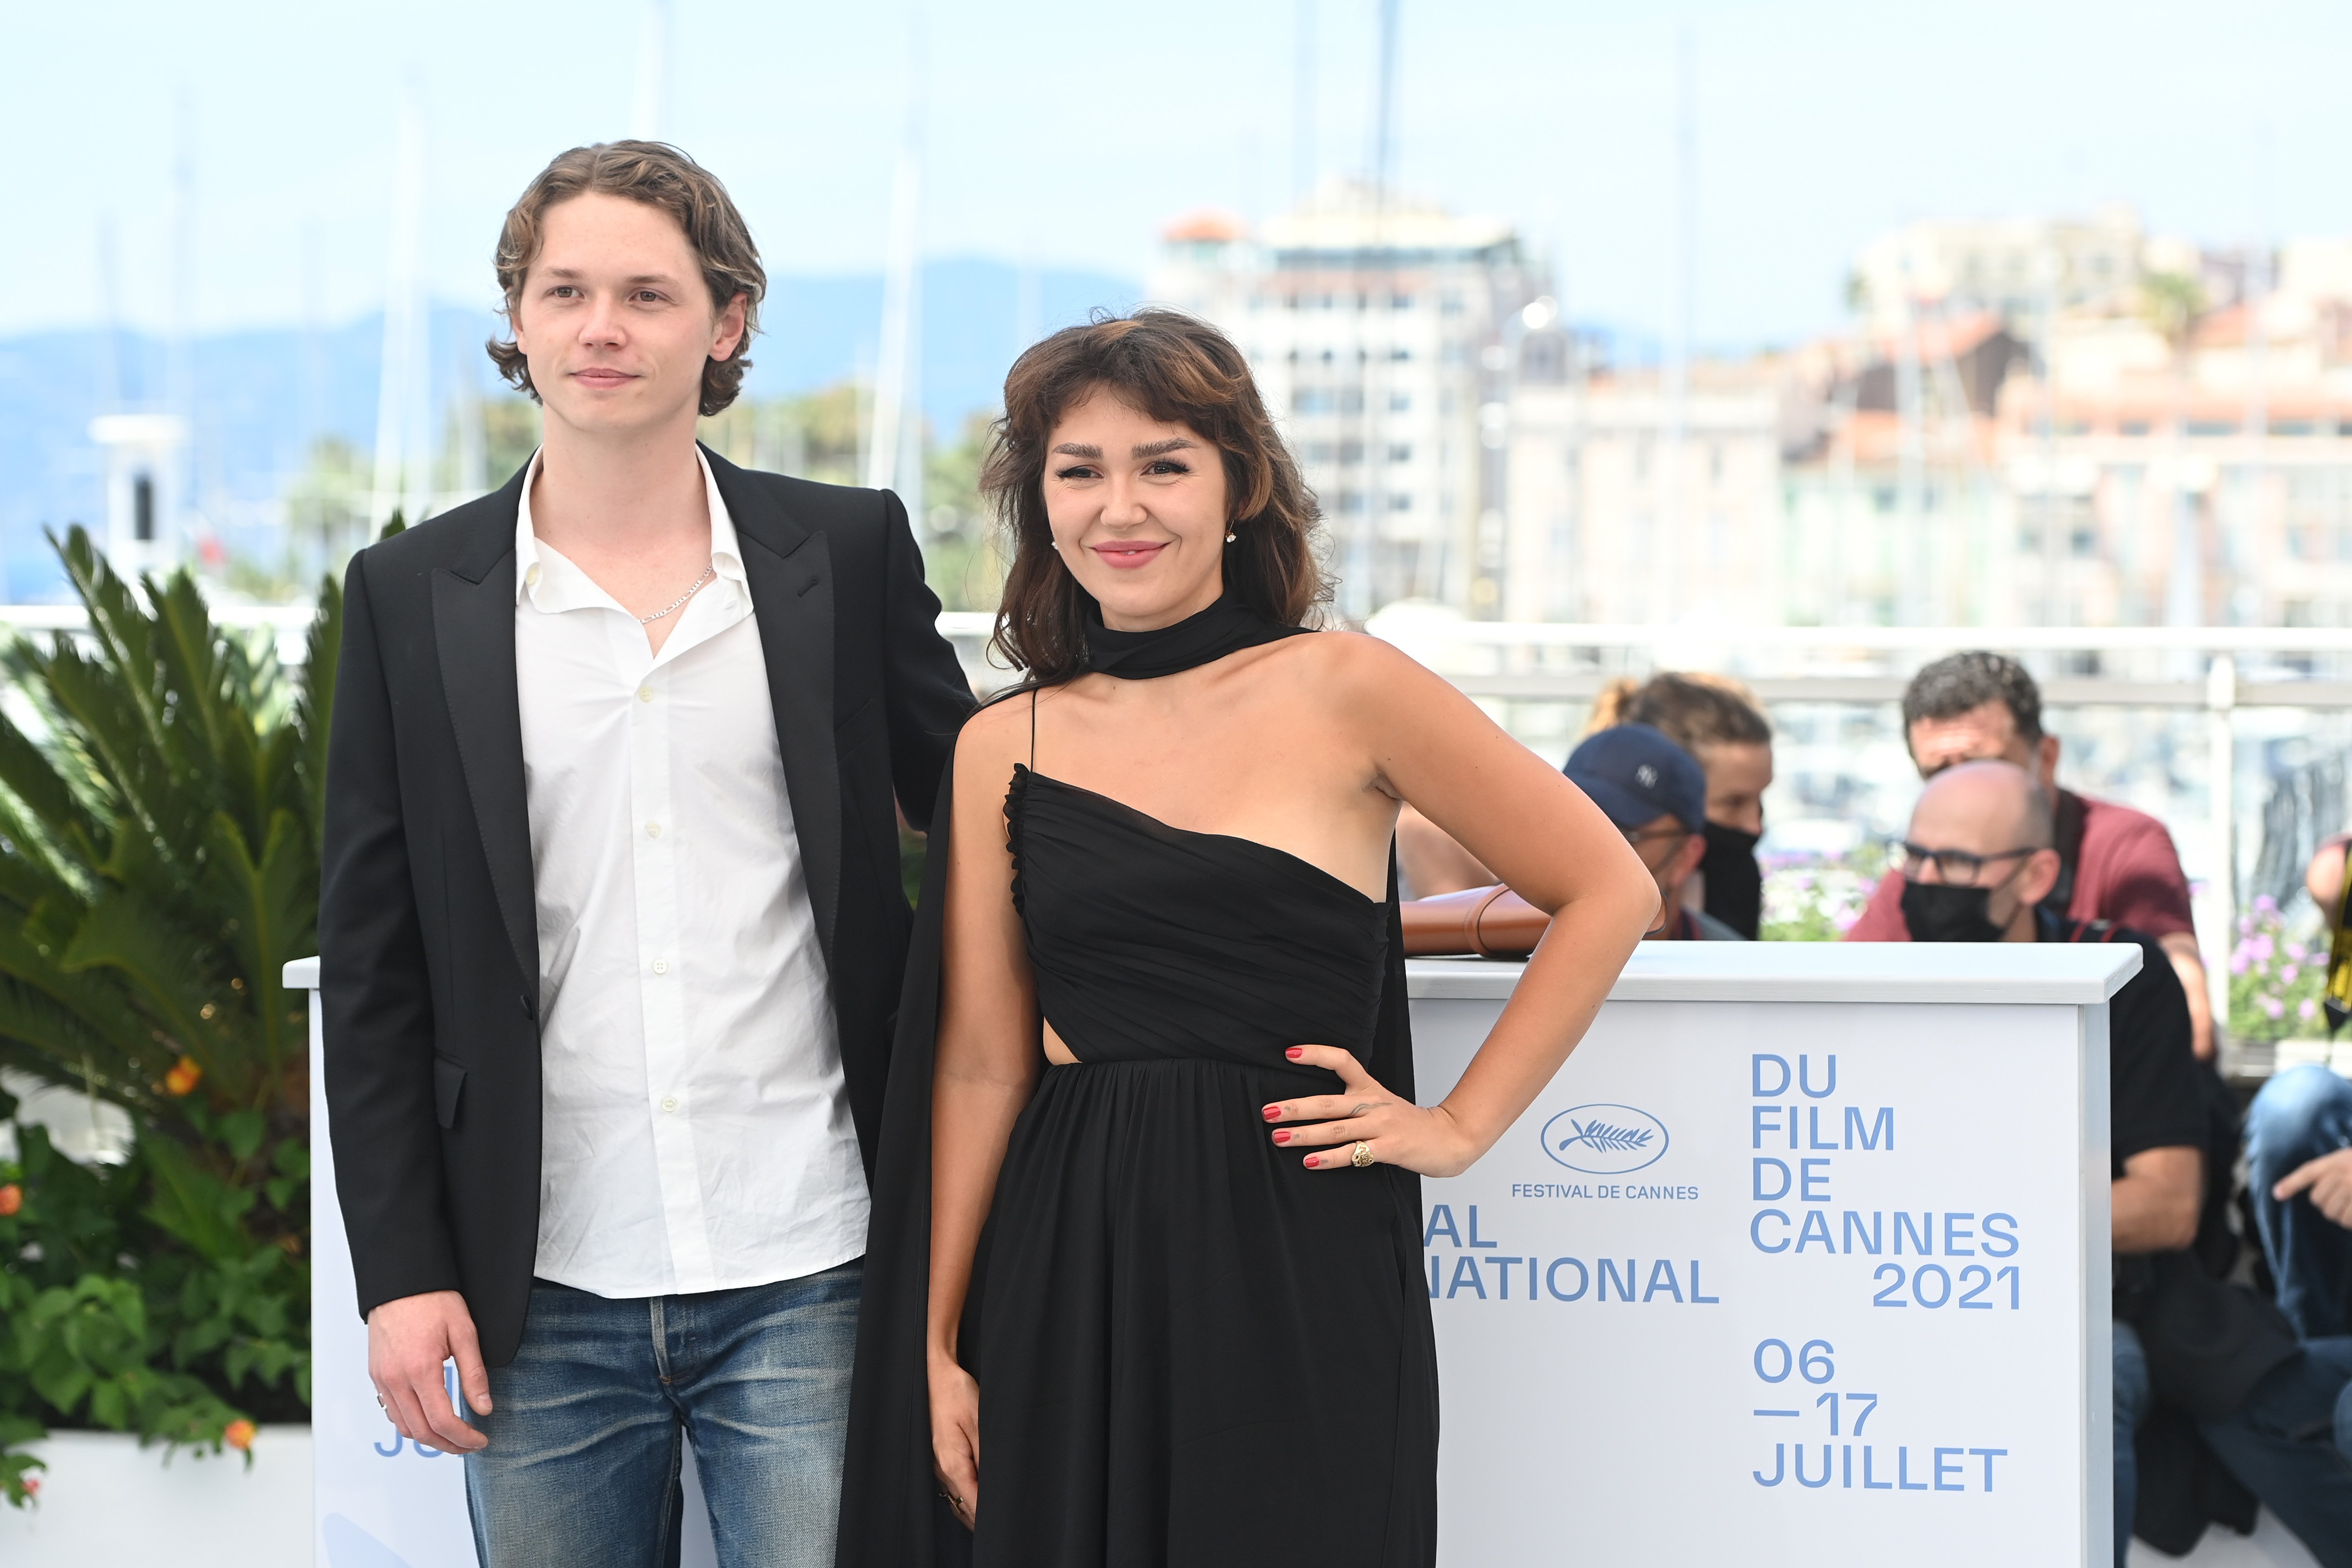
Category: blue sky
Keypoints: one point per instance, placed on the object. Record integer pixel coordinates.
(1068, 133)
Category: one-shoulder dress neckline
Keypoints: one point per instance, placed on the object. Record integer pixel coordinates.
(1162, 1278)
(1283, 856)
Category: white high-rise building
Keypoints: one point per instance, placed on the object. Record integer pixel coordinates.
(1379, 331)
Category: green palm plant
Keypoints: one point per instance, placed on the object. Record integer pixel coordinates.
(160, 795)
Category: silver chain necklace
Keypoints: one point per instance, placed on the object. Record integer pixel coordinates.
(707, 573)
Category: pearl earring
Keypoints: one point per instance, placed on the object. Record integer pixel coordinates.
(1231, 536)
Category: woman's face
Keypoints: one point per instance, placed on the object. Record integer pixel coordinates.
(1139, 511)
(1737, 777)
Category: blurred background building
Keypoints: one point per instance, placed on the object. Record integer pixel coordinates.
(1381, 327)
(1469, 256)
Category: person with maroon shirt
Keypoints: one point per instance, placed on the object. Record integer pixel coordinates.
(2115, 863)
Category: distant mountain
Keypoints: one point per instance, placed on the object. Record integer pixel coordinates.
(262, 395)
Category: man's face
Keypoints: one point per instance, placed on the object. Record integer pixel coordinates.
(1986, 733)
(615, 318)
(1738, 774)
(1981, 813)
(1672, 852)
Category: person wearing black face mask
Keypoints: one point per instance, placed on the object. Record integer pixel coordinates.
(2232, 1390)
(1718, 722)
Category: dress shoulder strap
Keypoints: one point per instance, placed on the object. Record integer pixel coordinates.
(1032, 729)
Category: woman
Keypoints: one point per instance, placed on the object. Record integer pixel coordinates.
(1716, 720)
(1147, 1223)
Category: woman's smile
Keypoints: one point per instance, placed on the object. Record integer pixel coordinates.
(1125, 555)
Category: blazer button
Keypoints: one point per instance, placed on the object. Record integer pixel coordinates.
(528, 1011)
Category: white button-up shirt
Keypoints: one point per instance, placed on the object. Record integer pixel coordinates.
(697, 1132)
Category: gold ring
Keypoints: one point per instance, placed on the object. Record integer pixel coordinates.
(1362, 1157)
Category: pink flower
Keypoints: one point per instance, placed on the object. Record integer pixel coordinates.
(2298, 951)
(2274, 1009)
(2266, 905)
(2238, 962)
(2308, 1010)
(2287, 975)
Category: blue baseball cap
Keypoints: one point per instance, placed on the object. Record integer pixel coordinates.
(1636, 775)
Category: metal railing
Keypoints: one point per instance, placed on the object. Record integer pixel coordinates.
(2217, 671)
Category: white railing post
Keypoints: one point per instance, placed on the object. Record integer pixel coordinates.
(2221, 767)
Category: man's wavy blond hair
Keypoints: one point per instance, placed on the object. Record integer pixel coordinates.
(661, 176)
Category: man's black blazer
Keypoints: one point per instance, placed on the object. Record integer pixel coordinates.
(428, 925)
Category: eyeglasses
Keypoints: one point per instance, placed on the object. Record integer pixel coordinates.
(1954, 868)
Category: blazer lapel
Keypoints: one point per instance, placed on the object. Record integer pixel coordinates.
(790, 573)
(474, 633)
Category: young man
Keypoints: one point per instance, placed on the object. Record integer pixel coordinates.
(1979, 864)
(2114, 863)
(611, 927)
(1656, 794)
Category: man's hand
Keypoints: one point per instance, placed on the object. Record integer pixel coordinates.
(408, 1339)
(2328, 1180)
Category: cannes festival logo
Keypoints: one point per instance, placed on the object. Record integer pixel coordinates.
(1604, 1140)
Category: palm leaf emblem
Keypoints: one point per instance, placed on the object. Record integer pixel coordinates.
(1602, 1138)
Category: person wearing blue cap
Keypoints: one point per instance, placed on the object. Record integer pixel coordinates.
(1655, 792)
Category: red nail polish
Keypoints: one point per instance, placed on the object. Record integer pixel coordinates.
(1310, 1162)
(1272, 1113)
(1294, 1053)
(1282, 1134)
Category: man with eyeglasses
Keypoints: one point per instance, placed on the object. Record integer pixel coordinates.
(2115, 863)
(1976, 865)
(1656, 794)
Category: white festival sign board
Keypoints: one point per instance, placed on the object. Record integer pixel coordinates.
(1801, 1258)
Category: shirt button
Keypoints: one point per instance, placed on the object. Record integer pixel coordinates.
(669, 1102)
(530, 578)
(661, 966)
(645, 693)
(652, 829)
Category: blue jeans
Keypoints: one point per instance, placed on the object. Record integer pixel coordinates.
(2287, 1445)
(2132, 1399)
(2301, 1114)
(581, 1469)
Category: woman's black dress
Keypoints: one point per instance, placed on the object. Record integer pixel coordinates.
(1192, 1349)
(1193, 1352)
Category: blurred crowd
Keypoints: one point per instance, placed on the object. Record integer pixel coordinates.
(2232, 1222)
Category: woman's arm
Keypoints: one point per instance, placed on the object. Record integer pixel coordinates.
(1431, 747)
(987, 1066)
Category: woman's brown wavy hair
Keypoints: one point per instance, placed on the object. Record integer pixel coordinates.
(661, 176)
(1179, 369)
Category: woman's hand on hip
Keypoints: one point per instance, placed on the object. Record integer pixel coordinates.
(1379, 1127)
(955, 1437)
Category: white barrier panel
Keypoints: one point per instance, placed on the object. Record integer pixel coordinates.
(1801, 1259)
(381, 1501)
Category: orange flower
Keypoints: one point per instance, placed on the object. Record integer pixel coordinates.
(12, 1198)
(239, 1434)
(184, 1077)
(32, 1486)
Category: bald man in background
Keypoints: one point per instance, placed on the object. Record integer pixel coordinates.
(2115, 863)
(1977, 864)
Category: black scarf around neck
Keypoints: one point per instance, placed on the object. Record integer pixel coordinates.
(1225, 627)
